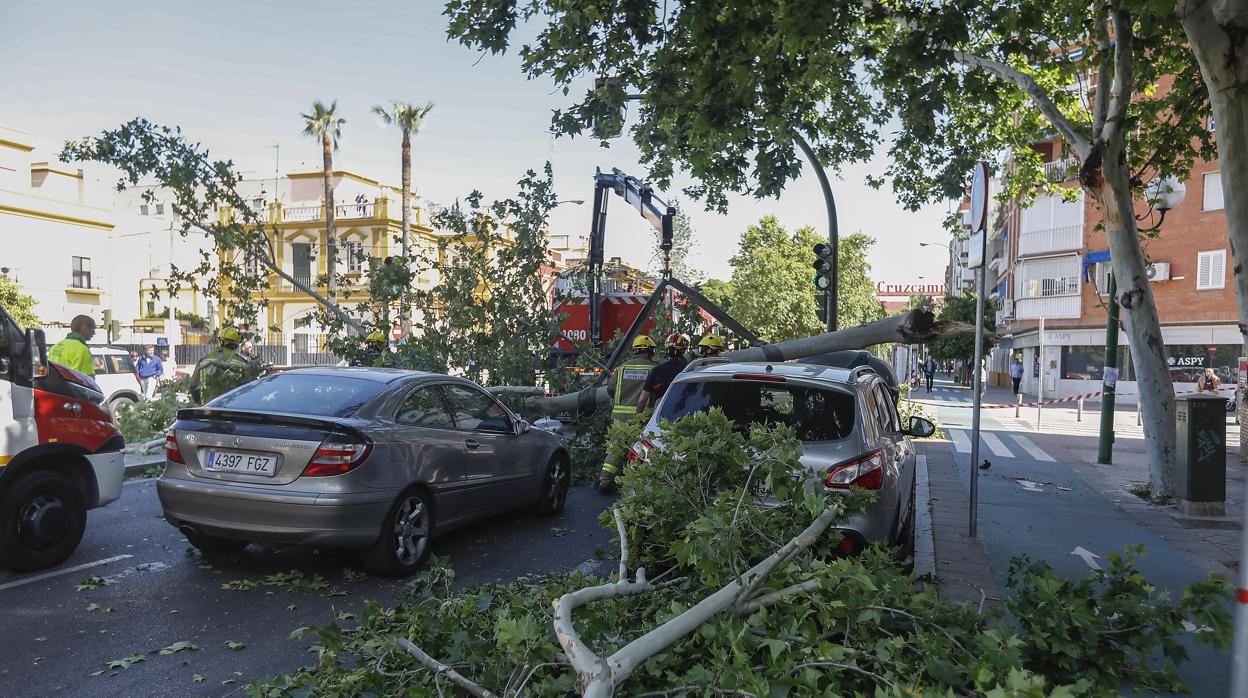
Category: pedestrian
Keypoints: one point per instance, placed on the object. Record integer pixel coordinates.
(662, 375)
(958, 367)
(222, 370)
(150, 368)
(929, 372)
(1016, 374)
(73, 351)
(1209, 383)
(247, 350)
(625, 386)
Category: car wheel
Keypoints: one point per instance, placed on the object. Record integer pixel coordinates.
(555, 485)
(905, 531)
(214, 545)
(42, 517)
(114, 406)
(405, 535)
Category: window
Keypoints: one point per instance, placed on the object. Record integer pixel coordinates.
(301, 342)
(888, 416)
(160, 209)
(1209, 125)
(301, 261)
(355, 257)
(424, 408)
(1046, 278)
(143, 210)
(257, 203)
(1211, 270)
(816, 415)
(251, 265)
(476, 410)
(298, 392)
(1213, 191)
(82, 272)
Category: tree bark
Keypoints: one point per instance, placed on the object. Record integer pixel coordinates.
(331, 238)
(914, 327)
(405, 311)
(1216, 33)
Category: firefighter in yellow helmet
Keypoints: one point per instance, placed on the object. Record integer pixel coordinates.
(711, 345)
(224, 369)
(625, 386)
(372, 350)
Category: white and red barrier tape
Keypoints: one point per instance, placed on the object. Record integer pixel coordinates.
(1072, 398)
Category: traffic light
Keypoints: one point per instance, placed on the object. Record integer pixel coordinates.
(823, 266)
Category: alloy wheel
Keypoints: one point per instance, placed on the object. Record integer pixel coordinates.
(558, 485)
(411, 531)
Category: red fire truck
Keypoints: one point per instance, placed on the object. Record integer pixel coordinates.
(60, 453)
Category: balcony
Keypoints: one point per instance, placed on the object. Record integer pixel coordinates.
(380, 207)
(1048, 307)
(1063, 239)
(1061, 170)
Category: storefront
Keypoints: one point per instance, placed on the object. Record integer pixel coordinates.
(1073, 360)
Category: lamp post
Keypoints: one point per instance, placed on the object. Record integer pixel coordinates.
(830, 295)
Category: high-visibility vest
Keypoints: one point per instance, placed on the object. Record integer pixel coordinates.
(629, 380)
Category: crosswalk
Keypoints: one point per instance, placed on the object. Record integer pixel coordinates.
(1001, 445)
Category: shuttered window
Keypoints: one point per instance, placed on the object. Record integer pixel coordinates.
(1211, 269)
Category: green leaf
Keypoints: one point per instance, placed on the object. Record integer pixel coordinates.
(180, 646)
(126, 662)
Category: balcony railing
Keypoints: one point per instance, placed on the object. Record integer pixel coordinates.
(1061, 170)
(1063, 239)
(380, 207)
(1047, 307)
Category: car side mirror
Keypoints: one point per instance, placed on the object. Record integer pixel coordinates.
(38, 346)
(522, 427)
(920, 427)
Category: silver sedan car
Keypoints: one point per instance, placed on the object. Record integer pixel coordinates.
(846, 419)
(375, 459)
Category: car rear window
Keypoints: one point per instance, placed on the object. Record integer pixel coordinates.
(294, 392)
(816, 415)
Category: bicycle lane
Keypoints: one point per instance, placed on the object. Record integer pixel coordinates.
(1043, 509)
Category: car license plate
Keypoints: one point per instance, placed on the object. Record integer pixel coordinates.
(241, 462)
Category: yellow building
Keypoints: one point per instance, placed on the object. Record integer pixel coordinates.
(368, 224)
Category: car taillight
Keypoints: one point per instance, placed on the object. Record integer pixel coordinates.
(336, 456)
(639, 451)
(172, 452)
(866, 472)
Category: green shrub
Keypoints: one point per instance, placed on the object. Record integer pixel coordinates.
(149, 419)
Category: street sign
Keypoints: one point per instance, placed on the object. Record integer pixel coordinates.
(975, 255)
(979, 198)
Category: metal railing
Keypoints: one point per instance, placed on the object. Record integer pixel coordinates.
(1067, 237)
(1061, 170)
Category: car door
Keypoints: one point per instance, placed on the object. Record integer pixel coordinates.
(429, 447)
(899, 461)
(493, 470)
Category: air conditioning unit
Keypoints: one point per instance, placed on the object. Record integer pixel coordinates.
(1159, 271)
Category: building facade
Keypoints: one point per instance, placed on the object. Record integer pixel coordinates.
(1051, 264)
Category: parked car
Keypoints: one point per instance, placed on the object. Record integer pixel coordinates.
(118, 380)
(846, 419)
(376, 459)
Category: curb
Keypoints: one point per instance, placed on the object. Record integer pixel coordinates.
(924, 542)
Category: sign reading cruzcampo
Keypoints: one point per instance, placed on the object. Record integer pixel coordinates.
(887, 289)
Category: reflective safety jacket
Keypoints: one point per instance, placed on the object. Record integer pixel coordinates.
(626, 384)
(73, 352)
(220, 372)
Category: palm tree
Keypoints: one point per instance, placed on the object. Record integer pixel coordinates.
(325, 124)
(409, 119)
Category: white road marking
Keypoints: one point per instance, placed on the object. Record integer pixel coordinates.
(995, 445)
(1029, 485)
(1032, 449)
(960, 441)
(1088, 556)
(67, 570)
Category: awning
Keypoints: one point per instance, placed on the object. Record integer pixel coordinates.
(1090, 258)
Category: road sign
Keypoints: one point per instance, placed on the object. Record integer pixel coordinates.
(979, 198)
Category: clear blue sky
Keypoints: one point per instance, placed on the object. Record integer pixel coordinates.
(235, 76)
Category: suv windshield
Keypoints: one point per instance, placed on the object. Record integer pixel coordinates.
(302, 393)
(816, 415)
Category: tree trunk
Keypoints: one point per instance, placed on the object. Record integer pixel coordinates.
(1223, 59)
(405, 319)
(331, 238)
(1139, 313)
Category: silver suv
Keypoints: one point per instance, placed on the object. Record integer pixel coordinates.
(846, 419)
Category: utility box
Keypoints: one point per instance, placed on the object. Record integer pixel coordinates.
(1200, 422)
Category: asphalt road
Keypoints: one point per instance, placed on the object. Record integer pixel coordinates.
(57, 640)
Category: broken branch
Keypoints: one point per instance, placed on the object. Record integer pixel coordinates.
(440, 669)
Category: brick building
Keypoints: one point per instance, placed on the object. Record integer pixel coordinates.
(1050, 262)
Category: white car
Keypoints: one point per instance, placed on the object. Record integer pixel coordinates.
(115, 373)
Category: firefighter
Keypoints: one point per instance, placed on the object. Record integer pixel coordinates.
(711, 345)
(625, 386)
(222, 370)
(661, 376)
(73, 351)
(373, 349)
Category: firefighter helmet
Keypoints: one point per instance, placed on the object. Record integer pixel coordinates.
(229, 335)
(376, 337)
(676, 341)
(712, 341)
(643, 342)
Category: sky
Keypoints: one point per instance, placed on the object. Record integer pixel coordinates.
(236, 75)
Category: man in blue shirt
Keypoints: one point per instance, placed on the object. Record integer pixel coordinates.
(1016, 374)
(150, 369)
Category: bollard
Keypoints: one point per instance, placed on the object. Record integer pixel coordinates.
(1079, 410)
(1137, 411)
(1018, 405)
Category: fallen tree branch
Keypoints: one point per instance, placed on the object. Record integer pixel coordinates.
(761, 602)
(440, 669)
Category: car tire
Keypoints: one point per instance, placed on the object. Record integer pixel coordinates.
(42, 517)
(214, 545)
(406, 533)
(115, 404)
(555, 484)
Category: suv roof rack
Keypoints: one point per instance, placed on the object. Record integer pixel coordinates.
(698, 364)
(856, 373)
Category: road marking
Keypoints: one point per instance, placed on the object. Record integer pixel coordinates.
(995, 445)
(1029, 485)
(960, 441)
(1032, 449)
(67, 570)
(1088, 556)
